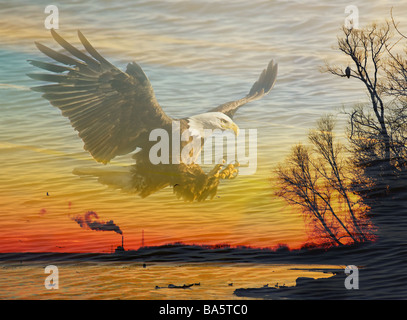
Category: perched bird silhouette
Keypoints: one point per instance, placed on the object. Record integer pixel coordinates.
(114, 112)
(347, 72)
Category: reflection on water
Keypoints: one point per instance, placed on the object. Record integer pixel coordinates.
(132, 281)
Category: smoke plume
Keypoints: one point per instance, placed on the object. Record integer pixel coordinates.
(91, 221)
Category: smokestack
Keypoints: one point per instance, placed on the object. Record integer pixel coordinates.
(122, 242)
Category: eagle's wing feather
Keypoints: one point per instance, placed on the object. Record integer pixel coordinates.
(112, 110)
(259, 89)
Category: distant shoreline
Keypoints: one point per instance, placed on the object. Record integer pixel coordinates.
(179, 252)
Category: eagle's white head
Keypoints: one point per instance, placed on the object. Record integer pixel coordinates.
(211, 120)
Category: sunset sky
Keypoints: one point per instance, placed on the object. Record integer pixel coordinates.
(194, 62)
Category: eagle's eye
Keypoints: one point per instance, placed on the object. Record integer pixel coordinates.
(223, 120)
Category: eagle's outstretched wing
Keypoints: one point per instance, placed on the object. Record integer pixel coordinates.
(112, 110)
(259, 89)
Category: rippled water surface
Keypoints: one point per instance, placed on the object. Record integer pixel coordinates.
(197, 55)
(83, 280)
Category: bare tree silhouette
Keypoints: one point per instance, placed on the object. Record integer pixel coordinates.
(377, 132)
(365, 48)
(318, 179)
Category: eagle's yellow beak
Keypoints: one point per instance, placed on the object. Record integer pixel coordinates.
(235, 128)
(231, 125)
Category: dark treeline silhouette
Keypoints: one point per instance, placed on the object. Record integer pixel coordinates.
(338, 186)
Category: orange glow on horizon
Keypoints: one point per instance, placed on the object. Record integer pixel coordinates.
(51, 229)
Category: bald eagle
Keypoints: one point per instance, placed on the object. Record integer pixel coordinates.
(115, 111)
